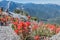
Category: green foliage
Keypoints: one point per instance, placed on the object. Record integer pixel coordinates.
(17, 11)
(43, 31)
(25, 13)
(34, 18)
(13, 27)
(22, 12)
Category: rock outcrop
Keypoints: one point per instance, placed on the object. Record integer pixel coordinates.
(55, 37)
(6, 33)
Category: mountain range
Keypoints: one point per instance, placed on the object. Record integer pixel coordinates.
(42, 11)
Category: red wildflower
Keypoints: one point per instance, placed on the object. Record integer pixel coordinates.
(22, 23)
(57, 30)
(35, 27)
(37, 37)
(15, 23)
(19, 26)
(51, 27)
(20, 31)
(6, 19)
(27, 24)
(16, 31)
(29, 17)
(12, 19)
(3, 19)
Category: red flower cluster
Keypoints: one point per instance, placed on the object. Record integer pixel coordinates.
(51, 27)
(57, 30)
(35, 27)
(4, 19)
(21, 26)
(37, 37)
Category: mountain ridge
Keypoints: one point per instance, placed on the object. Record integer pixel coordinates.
(44, 11)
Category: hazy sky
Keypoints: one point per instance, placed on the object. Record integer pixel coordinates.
(37, 1)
